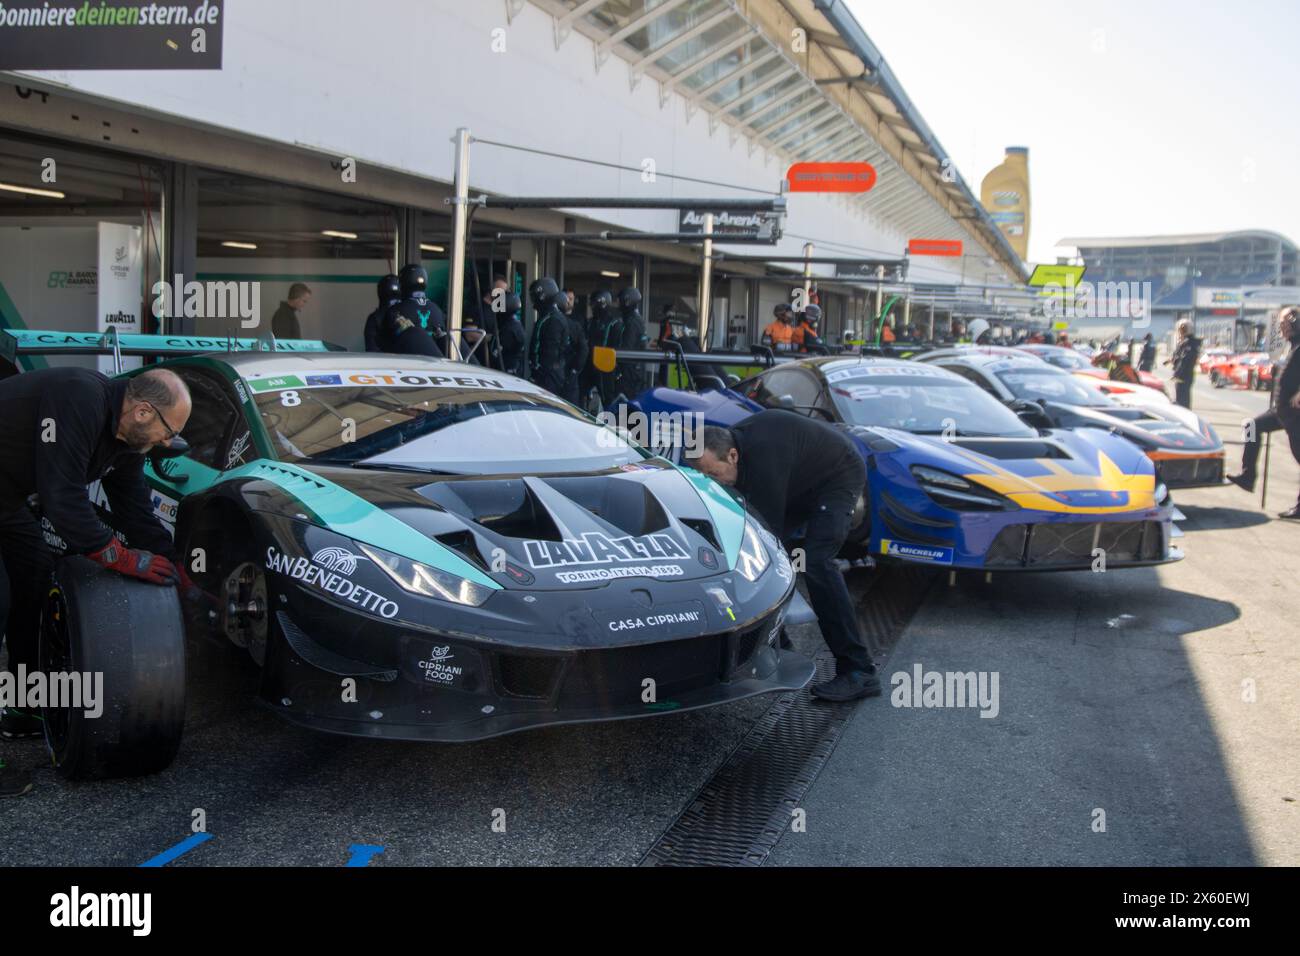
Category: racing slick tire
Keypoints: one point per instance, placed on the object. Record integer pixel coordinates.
(1217, 380)
(95, 621)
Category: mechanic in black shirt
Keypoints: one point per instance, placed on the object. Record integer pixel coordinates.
(1186, 352)
(577, 352)
(1285, 410)
(414, 311)
(389, 291)
(60, 430)
(607, 332)
(548, 351)
(791, 470)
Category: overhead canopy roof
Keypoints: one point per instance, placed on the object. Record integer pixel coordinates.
(836, 99)
(1190, 239)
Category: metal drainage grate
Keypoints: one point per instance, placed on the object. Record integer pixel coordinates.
(744, 808)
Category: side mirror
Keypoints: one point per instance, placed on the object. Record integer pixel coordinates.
(1031, 413)
(160, 457)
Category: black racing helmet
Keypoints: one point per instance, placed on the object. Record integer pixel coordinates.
(388, 288)
(601, 302)
(629, 298)
(412, 278)
(513, 303)
(781, 309)
(812, 313)
(544, 293)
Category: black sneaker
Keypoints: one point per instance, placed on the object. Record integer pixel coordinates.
(1244, 482)
(852, 685)
(1292, 515)
(13, 782)
(18, 724)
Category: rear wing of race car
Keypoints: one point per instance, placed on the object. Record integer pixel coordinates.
(18, 342)
(672, 354)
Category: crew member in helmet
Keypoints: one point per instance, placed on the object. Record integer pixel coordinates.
(416, 307)
(548, 350)
(511, 337)
(400, 330)
(980, 332)
(389, 291)
(804, 335)
(631, 381)
(779, 334)
(606, 332)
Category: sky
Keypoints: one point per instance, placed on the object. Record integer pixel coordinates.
(1145, 117)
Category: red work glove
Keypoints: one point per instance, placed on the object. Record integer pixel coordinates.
(144, 565)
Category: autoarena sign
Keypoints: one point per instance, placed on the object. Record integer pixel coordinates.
(758, 226)
(110, 35)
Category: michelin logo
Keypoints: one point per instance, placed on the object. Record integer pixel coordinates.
(915, 552)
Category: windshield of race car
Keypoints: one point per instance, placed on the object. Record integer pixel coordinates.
(1064, 358)
(923, 400)
(466, 424)
(1038, 384)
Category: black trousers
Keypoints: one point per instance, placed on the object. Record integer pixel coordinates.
(1183, 392)
(828, 526)
(1269, 421)
(25, 567)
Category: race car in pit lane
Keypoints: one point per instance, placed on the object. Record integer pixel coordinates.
(954, 477)
(1074, 361)
(475, 555)
(1186, 450)
(1251, 370)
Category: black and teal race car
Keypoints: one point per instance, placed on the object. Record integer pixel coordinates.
(428, 550)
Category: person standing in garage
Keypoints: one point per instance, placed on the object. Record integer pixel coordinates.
(285, 322)
(64, 428)
(792, 471)
(1284, 413)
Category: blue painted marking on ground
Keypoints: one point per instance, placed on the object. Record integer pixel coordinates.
(361, 854)
(180, 849)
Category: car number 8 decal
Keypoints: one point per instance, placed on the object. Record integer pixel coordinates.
(290, 399)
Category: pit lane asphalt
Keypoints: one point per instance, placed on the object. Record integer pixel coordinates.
(276, 794)
(1120, 691)
(1124, 691)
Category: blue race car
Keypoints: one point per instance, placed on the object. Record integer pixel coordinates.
(954, 477)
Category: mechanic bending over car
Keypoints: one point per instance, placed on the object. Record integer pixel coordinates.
(1285, 411)
(793, 470)
(60, 430)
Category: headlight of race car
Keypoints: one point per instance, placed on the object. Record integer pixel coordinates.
(753, 560)
(426, 581)
(1161, 493)
(953, 491)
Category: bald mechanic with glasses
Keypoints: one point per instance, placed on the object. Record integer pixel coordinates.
(60, 430)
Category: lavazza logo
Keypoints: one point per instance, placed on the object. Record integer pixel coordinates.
(331, 569)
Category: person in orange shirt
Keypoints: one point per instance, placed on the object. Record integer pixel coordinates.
(805, 335)
(779, 335)
(887, 333)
